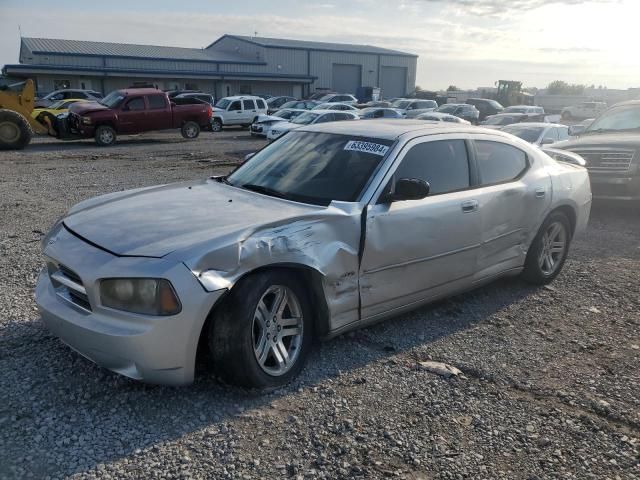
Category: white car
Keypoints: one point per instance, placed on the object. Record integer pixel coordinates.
(415, 107)
(345, 107)
(311, 117)
(442, 117)
(239, 110)
(583, 110)
(263, 124)
(538, 133)
(338, 98)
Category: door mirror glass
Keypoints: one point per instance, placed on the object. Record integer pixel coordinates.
(408, 189)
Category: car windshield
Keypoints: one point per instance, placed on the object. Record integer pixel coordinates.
(402, 104)
(223, 103)
(448, 108)
(305, 119)
(113, 99)
(515, 110)
(286, 114)
(528, 134)
(312, 167)
(498, 120)
(625, 117)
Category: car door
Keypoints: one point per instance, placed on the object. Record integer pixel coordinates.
(249, 111)
(513, 196)
(132, 116)
(159, 116)
(234, 115)
(418, 249)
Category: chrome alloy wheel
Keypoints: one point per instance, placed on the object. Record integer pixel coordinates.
(277, 330)
(554, 244)
(191, 131)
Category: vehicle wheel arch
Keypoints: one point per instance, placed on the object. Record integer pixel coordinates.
(570, 212)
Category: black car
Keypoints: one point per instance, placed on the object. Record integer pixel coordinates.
(65, 94)
(502, 119)
(274, 103)
(611, 148)
(485, 106)
(461, 110)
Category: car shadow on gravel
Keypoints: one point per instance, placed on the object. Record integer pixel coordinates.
(123, 142)
(66, 415)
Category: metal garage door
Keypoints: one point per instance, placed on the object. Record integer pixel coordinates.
(393, 81)
(346, 78)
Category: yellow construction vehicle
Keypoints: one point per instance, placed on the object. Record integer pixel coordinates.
(16, 122)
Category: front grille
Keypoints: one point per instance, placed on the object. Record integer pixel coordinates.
(607, 160)
(69, 285)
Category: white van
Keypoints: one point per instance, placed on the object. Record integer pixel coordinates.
(239, 110)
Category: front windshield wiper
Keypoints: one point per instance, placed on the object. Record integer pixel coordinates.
(266, 190)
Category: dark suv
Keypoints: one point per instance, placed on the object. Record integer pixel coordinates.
(611, 148)
(485, 106)
(461, 110)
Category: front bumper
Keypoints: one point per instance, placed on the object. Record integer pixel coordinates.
(615, 188)
(152, 349)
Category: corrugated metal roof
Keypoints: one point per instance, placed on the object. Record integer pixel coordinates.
(81, 47)
(304, 44)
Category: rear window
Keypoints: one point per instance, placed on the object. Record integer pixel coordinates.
(261, 103)
(248, 105)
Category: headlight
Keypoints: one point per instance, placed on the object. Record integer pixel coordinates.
(148, 296)
(86, 120)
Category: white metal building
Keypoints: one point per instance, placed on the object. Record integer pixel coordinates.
(233, 64)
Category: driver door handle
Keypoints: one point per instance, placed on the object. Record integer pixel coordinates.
(469, 206)
(540, 192)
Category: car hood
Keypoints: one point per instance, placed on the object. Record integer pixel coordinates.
(156, 221)
(624, 140)
(285, 126)
(82, 108)
(268, 118)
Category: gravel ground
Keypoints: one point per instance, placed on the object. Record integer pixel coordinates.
(550, 383)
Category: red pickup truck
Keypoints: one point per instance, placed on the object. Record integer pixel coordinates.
(132, 111)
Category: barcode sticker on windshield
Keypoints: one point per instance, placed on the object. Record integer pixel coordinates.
(366, 147)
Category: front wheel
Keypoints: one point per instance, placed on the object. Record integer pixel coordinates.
(105, 136)
(216, 125)
(262, 335)
(549, 250)
(190, 130)
(15, 133)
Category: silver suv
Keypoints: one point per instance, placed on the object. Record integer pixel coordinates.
(239, 110)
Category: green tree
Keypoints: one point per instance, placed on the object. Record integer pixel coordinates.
(559, 87)
(452, 88)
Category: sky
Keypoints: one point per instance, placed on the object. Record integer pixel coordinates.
(466, 43)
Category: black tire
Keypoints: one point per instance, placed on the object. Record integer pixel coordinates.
(105, 136)
(533, 271)
(232, 331)
(190, 130)
(216, 125)
(15, 132)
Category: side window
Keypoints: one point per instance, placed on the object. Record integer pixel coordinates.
(499, 162)
(443, 163)
(327, 117)
(563, 133)
(236, 105)
(248, 105)
(156, 102)
(263, 105)
(136, 104)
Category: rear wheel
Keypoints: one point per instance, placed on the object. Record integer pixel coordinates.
(216, 125)
(549, 250)
(15, 133)
(190, 130)
(262, 335)
(105, 136)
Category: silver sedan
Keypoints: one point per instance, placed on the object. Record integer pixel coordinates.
(330, 228)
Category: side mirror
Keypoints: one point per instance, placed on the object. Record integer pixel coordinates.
(575, 130)
(547, 141)
(407, 189)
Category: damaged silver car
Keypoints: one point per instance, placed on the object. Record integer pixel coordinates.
(330, 228)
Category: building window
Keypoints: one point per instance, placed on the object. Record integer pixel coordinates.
(245, 89)
(191, 86)
(61, 84)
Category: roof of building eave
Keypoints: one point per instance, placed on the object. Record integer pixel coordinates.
(53, 46)
(310, 45)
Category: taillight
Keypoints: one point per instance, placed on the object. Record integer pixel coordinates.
(209, 111)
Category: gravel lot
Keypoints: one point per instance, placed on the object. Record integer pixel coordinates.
(550, 384)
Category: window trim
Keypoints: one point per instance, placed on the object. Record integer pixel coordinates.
(522, 173)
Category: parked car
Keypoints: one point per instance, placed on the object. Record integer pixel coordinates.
(240, 110)
(253, 266)
(379, 103)
(538, 133)
(345, 107)
(319, 95)
(136, 110)
(309, 118)
(302, 104)
(264, 96)
(611, 148)
(275, 103)
(442, 117)
(414, 107)
(461, 110)
(261, 126)
(534, 114)
(67, 93)
(339, 98)
(204, 97)
(173, 93)
(56, 108)
(502, 119)
(485, 106)
(579, 128)
(377, 112)
(583, 110)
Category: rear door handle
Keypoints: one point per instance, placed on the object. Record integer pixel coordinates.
(469, 206)
(540, 192)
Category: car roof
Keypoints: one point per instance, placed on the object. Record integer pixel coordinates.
(509, 114)
(536, 124)
(243, 97)
(391, 129)
(141, 91)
